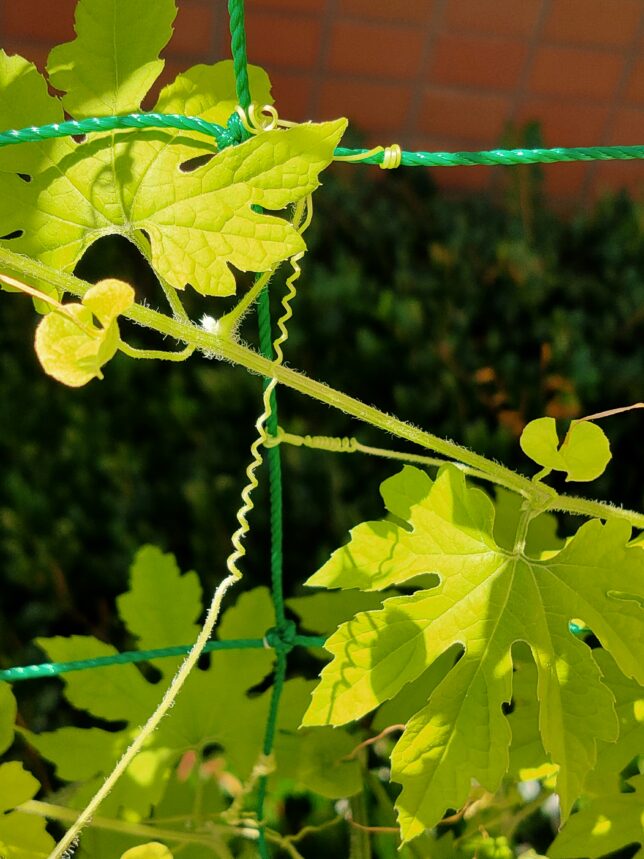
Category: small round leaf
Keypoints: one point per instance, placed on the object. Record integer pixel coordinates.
(583, 455)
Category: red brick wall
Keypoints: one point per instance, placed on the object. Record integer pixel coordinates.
(428, 74)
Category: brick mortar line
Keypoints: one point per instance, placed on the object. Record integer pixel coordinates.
(219, 43)
(356, 77)
(616, 103)
(521, 92)
(326, 26)
(432, 27)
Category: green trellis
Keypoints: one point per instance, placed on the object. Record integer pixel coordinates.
(283, 637)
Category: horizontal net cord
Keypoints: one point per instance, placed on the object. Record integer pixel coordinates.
(53, 669)
(235, 133)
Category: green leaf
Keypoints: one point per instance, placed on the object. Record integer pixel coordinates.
(315, 758)
(22, 836)
(198, 221)
(25, 101)
(209, 92)
(231, 719)
(603, 826)
(120, 693)
(542, 531)
(16, 785)
(612, 758)
(155, 580)
(487, 599)
(8, 710)
(322, 613)
(152, 850)
(115, 693)
(160, 608)
(583, 454)
(114, 60)
(528, 758)
(70, 347)
(399, 709)
(95, 750)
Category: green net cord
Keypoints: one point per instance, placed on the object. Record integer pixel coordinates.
(238, 49)
(504, 157)
(97, 124)
(54, 669)
(234, 133)
(273, 455)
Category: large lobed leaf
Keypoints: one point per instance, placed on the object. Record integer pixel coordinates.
(488, 598)
(22, 836)
(162, 607)
(199, 221)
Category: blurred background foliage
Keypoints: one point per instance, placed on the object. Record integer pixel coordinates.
(464, 316)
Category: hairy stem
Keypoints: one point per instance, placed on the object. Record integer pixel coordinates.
(34, 272)
(352, 445)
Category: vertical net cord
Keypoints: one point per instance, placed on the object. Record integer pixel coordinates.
(240, 66)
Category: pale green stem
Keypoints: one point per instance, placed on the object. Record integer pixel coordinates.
(527, 515)
(352, 445)
(31, 270)
(153, 833)
(176, 305)
(303, 833)
(541, 475)
(229, 322)
(155, 354)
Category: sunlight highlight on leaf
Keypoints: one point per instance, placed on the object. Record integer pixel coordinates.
(487, 599)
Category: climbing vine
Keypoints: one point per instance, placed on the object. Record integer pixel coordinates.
(485, 665)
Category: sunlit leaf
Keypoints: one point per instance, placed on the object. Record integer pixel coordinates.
(195, 222)
(488, 599)
(70, 346)
(583, 455)
(22, 836)
(8, 711)
(155, 580)
(604, 825)
(103, 76)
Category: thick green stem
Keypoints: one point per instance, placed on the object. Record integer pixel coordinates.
(33, 273)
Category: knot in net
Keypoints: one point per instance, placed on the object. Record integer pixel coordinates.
(282, 638)
(233, 133)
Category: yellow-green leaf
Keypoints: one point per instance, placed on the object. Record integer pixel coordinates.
(22, 836)
(603, 826)
(8, 710)
(70, 347)
(583, 455)
(114, 59)
(487, 600)
(108, 299)
(155, 580)
(199, 221)
(152, 850)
